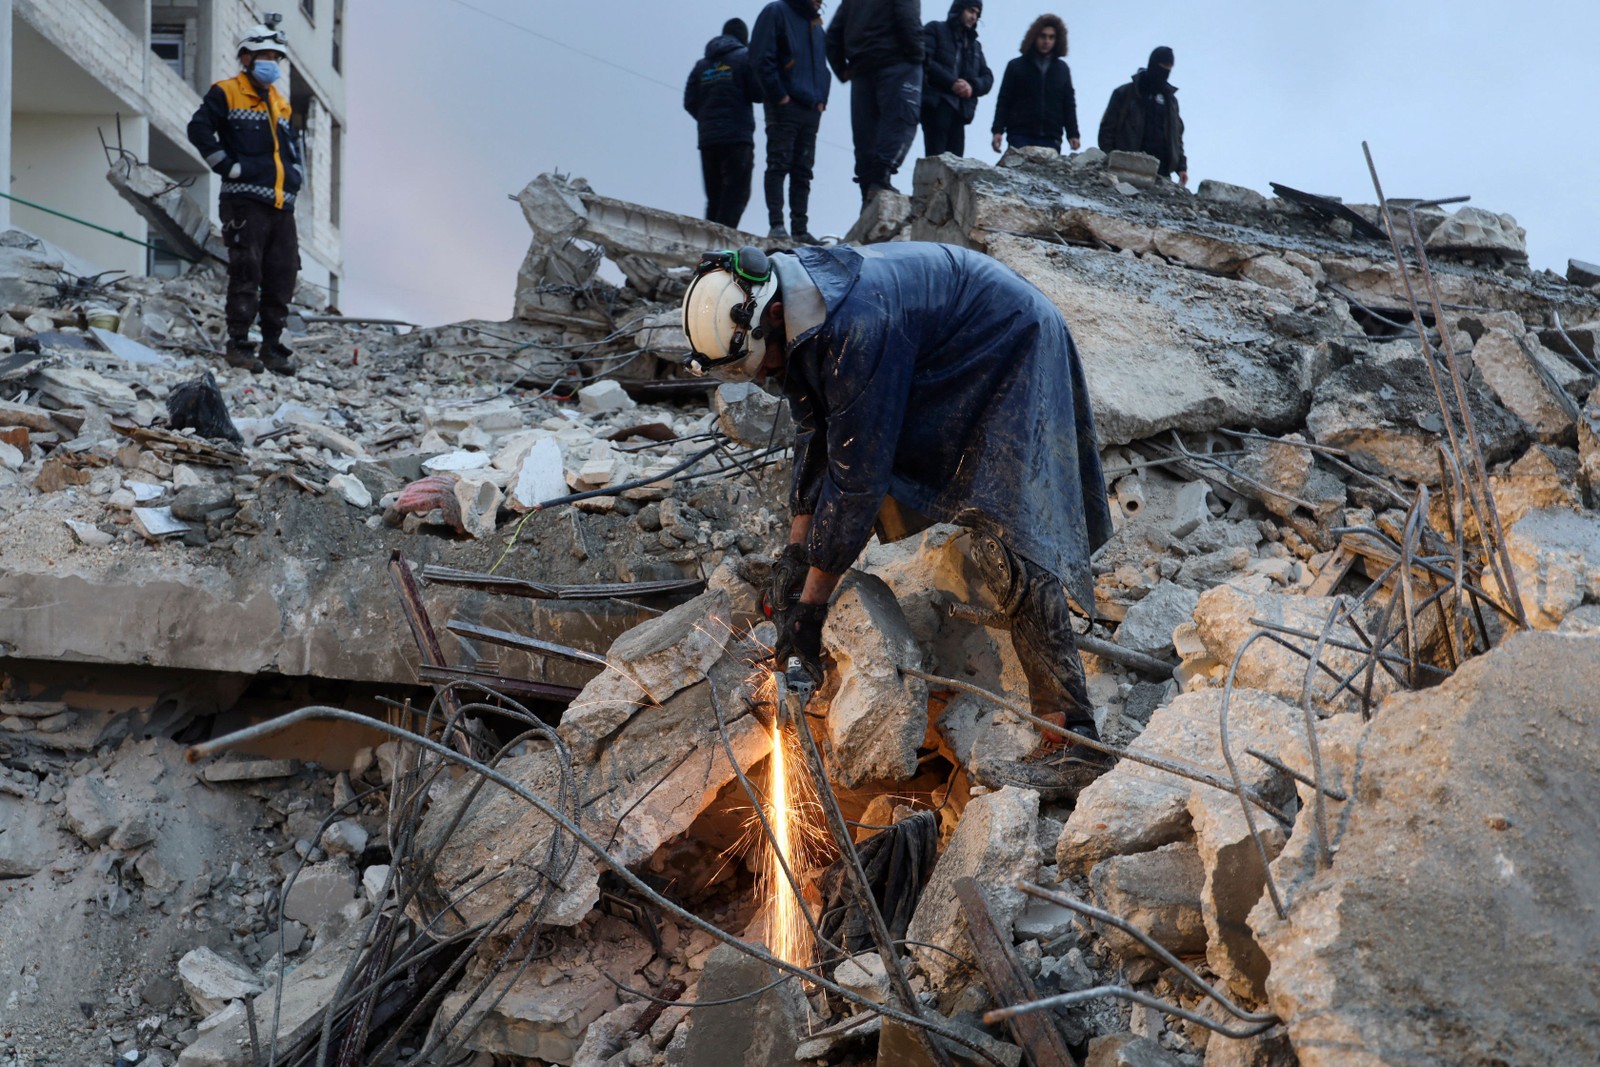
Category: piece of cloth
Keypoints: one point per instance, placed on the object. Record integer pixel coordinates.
(726, 170)
(791, 154)
(1041, 631)
(869, 35)
(788, 51)
(236, 124)
(897, 862)
(942, 130)
(937, 375)
(1039, 104)
(263, 259)
(953, 52)
(1123, 125)
(885, 107)
(721, 94)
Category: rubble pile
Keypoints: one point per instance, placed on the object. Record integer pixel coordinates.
(1345, 744)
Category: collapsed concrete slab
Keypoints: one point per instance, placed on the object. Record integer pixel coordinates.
(1453, 925)
(877, 717)
(1555, 555)
(167, 206)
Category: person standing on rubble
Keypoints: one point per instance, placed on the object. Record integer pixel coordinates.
(788, 52)
(1037, 103)
(242, 131)
(928, 383)
(955, 74)
(719, 94)
(1142, 116)
(877, 46)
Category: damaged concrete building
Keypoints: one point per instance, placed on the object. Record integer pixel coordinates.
(415, 710)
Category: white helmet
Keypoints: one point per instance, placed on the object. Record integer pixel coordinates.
(260, 38)
(723, 311)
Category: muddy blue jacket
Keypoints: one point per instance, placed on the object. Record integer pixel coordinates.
(788, 51)
(719, 94)
(934, 374)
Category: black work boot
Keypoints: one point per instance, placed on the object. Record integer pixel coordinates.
(242, 354)
(278, 359)
(1058, 773)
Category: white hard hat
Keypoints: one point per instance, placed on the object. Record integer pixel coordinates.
(723, 311)
(260, 38)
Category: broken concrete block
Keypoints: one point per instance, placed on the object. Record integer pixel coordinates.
(372, 882)
(479, 504)
(1504, 363)
(77, 387)
(541, 476)
(604, 396)
(158, 524)
(29, 841)
(1134, 163)
(1473, 230)
(750, 1033)
(1190, 510)
(995, 842)
(345, 837)
(1159, 893)
(1589, 449)
(1223, 617)
(670, 652)
(212, 980)
(1583, 273)
(168, 207)
(877, 717)
(1150, 622)
(352, 489)
(885, 217)
(1231, 195)
(1495, 816)
(865, 974)
(249, 770)
(319, 892)
(1555, 556)
(455, 462)
(751, 416)
(11, 457)
(92, 810)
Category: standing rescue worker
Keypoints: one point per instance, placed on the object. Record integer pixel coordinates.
(876, 46)
(1037, 102)
(242, 131)
(1142, 116)
(955, 74)
(927, 382)
(787, 50)
(719, 94)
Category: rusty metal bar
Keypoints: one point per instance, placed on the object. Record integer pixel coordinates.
(1038, 1034)
(545, 690)
(507, 639)
(422, 631)
(434, 574)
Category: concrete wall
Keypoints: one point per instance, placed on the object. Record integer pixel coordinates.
(57, 161)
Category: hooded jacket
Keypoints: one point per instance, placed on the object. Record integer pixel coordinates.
(719, 92)
(1037, 103)
(1122, 126)
(235, 124)
(788, 53)
(935, 374)
(866, 35)
(953, 52)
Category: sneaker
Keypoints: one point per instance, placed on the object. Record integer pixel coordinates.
(1056, 774)
(278, 359)
(242, 354)
(803, 236)
(778, 233)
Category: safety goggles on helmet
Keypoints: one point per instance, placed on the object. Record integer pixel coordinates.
(723, 311)
(264, 39)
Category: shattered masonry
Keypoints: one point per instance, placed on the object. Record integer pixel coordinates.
(543, 529)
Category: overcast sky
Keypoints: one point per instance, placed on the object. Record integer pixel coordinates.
(454, 104)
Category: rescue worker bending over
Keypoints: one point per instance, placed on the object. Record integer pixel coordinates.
(928, 381)
(242, 131)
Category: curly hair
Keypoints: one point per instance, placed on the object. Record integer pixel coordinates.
(1046, 22)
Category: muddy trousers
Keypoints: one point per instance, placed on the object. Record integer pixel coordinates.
(1041, 632)
(791, 153)
(263, 261)
(726, 169)
(885, 106)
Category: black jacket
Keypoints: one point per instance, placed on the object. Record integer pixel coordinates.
(719, 93)
(235, 125)
(1037, 103)
(953, 52)
(868, 34)
(787, 53)
(1122, 127)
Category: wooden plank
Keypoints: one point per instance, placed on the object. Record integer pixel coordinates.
(1038, 1033)
(1333, 572)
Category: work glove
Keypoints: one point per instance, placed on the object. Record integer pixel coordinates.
(234, 171)
(788, 578)
(800, 634)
